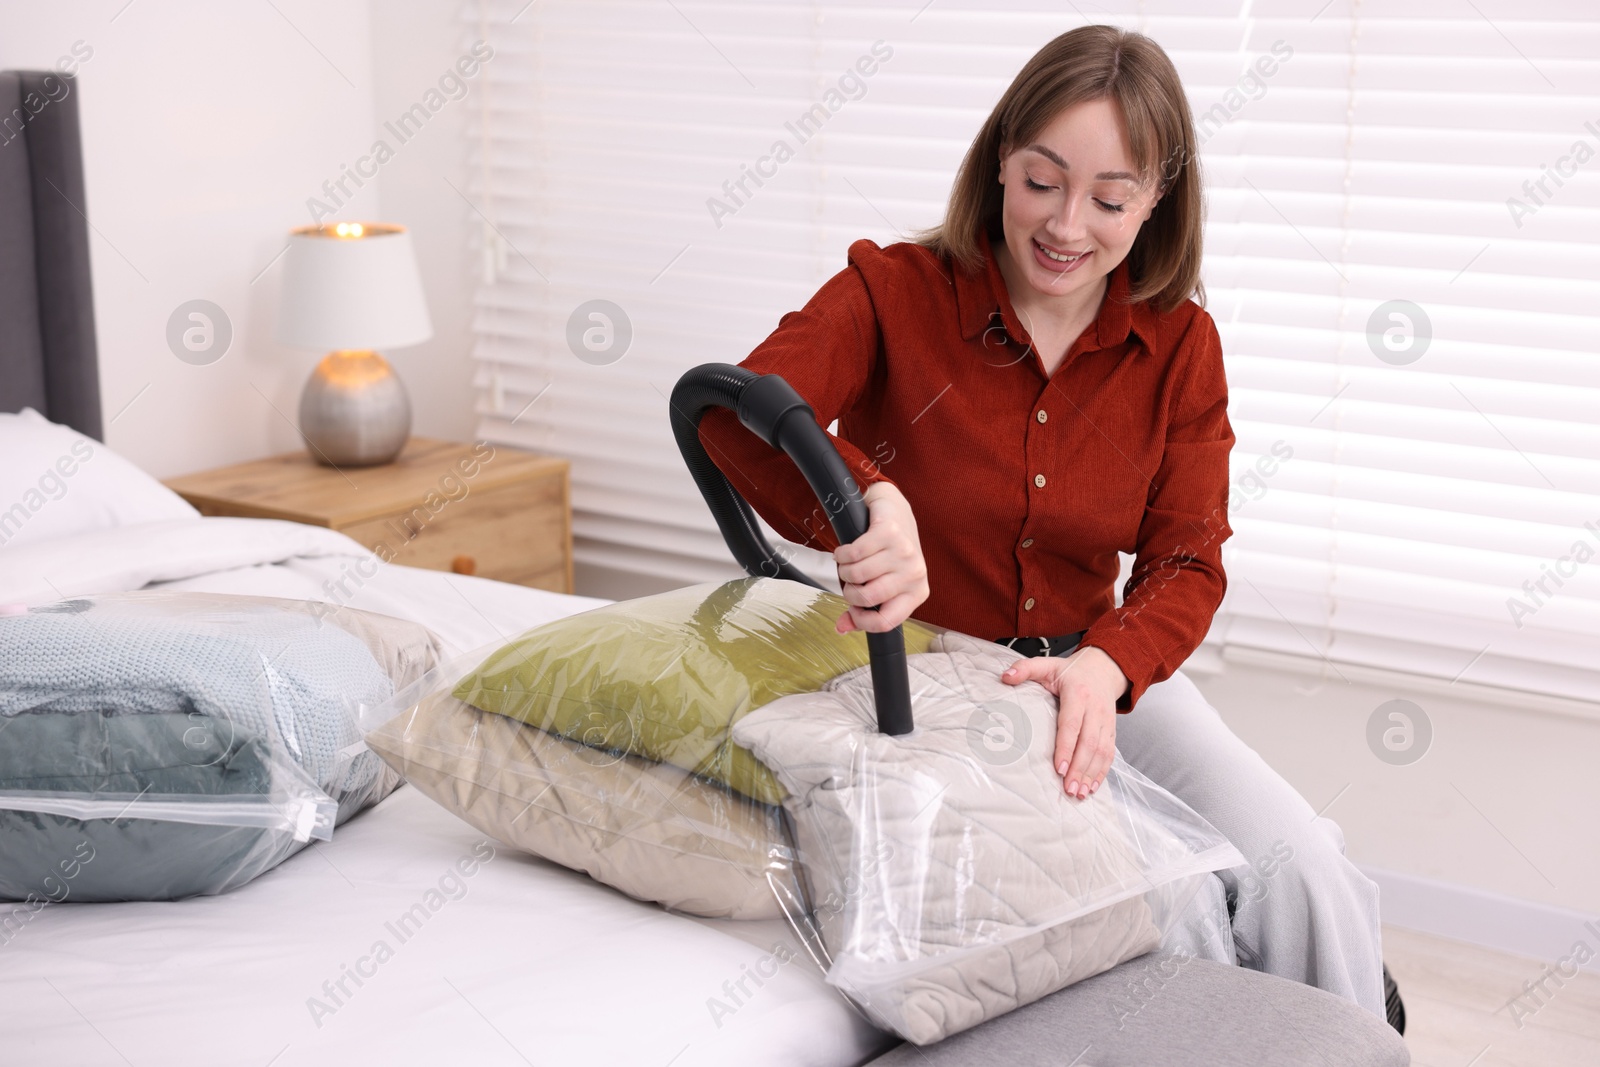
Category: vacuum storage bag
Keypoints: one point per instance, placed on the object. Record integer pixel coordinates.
(715, 749)
(158, 745)
(601, 741)
(948, 878)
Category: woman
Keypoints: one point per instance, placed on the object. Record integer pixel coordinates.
(1028, 390)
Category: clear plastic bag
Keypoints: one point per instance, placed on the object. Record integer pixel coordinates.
(601, 741)
(950, 878)
(715, 749)
(157, 745)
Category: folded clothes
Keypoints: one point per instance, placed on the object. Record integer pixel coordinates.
(247, 661)
(160, 752)
(188, 741)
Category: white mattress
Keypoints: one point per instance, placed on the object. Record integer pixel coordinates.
(532, 964)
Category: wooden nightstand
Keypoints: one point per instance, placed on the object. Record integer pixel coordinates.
(477, 509)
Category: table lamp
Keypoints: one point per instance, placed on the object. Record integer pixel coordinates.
(353, 287)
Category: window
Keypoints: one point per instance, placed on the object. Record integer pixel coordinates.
(1403, 260)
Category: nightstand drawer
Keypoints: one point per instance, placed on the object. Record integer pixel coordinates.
(511, 533)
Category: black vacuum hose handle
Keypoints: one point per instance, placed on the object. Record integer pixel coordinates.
(765, 404)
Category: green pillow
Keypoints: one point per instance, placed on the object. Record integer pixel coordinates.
(666, 676)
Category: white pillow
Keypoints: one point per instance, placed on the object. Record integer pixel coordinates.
(55, 482)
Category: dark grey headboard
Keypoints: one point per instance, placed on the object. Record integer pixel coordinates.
(47, 345)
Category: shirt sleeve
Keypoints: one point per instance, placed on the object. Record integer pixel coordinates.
(1177, 581)
(829, 352)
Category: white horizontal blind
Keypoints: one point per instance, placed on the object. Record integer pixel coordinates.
(1423, 489)
(1373, 163)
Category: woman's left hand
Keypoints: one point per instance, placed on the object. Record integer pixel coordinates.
(1087, 685)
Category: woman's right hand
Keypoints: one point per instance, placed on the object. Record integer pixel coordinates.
(883, 567)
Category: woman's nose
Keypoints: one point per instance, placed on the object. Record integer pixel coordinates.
(1067, 228)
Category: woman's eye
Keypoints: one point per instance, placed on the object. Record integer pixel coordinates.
(1035, 185)
(1109, 207)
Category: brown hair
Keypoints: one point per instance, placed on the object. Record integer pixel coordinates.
(1095, 63)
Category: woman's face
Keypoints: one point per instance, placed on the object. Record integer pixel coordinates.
(1073, 200)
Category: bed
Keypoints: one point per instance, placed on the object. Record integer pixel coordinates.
(528, 963)
(369, 948)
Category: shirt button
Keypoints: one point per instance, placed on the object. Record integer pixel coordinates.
(1027, 605)
(1042, 416)
(1038, 479)
(1027, 542)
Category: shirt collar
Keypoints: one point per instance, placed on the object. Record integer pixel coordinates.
(983, 302)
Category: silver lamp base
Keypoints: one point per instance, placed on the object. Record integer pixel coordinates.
(353, 411)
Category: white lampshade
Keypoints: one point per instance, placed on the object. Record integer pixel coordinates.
(352, 285)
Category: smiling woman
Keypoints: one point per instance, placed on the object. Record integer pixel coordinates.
(1050, 391)
(1136, 121)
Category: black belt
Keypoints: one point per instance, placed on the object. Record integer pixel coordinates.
(1042, 646)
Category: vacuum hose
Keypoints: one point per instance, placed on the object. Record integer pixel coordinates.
(764, 404)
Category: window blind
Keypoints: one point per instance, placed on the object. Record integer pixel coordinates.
(1401, 258)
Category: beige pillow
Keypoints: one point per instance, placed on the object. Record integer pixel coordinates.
(649, 829)
(954, 879)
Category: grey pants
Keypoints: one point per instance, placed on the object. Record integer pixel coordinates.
(1301, 909)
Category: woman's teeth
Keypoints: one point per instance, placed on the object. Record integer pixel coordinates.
(1058, 257)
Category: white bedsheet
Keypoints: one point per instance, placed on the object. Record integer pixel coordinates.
(533, 964)
(266, 557)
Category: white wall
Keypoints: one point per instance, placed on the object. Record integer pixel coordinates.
(413, 42)
(1505, 798)
(206, 129)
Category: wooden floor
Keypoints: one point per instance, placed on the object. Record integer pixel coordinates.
(1460, 1011)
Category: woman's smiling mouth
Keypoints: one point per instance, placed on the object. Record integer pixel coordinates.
(1059, 262)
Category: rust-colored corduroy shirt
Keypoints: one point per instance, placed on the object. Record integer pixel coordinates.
(1024, 487)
